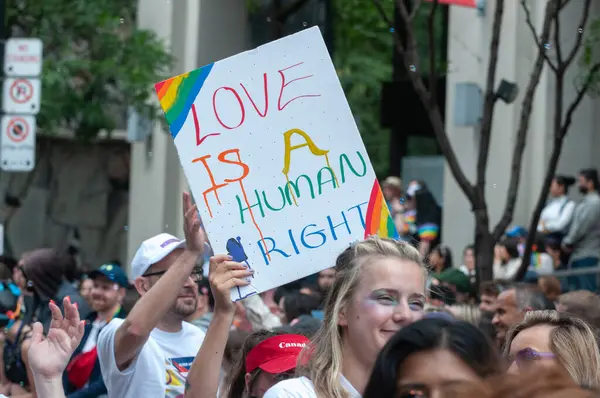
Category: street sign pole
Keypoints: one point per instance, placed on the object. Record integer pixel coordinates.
(21, 99)
(3, 32)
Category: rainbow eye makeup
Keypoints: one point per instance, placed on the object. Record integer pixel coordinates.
(384, 297)
(392, 299)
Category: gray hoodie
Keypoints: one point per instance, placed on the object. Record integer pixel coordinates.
(584, 232)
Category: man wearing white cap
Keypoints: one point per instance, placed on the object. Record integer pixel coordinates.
(149, 353)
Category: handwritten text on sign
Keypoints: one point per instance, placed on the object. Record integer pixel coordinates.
(274, 159)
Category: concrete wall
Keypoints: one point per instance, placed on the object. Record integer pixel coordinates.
(76, 197)
(198, 32)
(469, 40)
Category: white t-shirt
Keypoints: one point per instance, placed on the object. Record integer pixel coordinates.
(160, 369)
(90, 343)
(302, 387)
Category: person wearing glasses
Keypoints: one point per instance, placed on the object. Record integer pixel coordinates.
(550, 339)
(433, 357)
(149, 353)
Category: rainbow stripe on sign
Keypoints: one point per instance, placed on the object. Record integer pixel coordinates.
(378, 219)
(177, 95)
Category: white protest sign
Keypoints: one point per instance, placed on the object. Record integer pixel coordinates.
(274, 159)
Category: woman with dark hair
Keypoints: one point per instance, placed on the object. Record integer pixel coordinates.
(296, 305)
(440, 259)
(431, 356)
(428, 216)
(507, 259)
(298, 308)
(558, 213)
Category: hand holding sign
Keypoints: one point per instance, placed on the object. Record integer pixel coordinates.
(224, 275)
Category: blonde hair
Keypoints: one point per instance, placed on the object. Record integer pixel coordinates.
(572, 341)
(325, 352)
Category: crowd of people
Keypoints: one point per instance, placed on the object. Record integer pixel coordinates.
(391, 318)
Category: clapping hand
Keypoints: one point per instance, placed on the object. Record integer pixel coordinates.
(49, 356)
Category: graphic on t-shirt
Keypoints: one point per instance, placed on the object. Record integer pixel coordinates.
(177, 370)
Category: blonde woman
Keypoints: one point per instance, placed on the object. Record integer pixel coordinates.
(379, 288)
(545, 339)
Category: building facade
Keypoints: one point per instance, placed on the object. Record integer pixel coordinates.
(469, 41)
(203, 31)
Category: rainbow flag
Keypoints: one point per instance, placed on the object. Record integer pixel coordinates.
(378, 219)
(177, 95)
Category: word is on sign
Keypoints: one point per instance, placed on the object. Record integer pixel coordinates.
(21, 95)
(17, 145)
(274, 159)
(23, 57)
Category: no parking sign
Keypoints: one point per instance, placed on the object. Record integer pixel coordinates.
(17, 146)
(22, 96)
(20, 103)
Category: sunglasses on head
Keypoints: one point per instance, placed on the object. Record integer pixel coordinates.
(526, 356)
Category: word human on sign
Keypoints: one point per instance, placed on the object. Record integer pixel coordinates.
(274, 159)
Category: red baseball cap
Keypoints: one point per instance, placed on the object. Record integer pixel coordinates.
(277, 354)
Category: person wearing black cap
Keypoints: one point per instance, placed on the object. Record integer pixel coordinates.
(83, 377)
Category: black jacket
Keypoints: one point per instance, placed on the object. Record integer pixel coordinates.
(95, 386)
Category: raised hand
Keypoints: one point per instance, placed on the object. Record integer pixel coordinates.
(49, 356)
(194, 234)
(224, 275)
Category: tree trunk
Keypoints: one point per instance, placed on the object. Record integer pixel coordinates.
(484, 244)
(484, 254)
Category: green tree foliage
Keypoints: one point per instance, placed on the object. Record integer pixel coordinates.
(363, 59)
(590, 58)
(96, 62)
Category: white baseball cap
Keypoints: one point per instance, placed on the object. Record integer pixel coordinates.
(152, 251)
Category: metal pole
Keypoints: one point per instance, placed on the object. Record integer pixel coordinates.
(3, 33)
